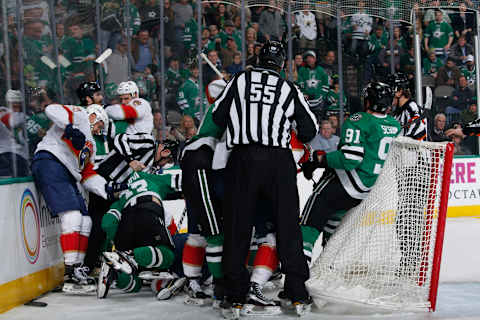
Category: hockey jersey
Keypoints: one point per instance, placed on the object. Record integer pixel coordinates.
(138, 113)
(11, 138)
(362, 151)
(78, 162)
(311, 81)
(188, 98)
(144, 184)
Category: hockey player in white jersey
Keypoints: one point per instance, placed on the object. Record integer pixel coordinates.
(13, 147)
(135, 110)
(62, 160)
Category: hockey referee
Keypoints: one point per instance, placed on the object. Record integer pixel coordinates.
(257, 109)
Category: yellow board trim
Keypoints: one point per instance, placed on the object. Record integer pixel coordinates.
(463, 211)
(24, 289)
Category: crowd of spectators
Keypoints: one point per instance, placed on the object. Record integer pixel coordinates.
(448, 60)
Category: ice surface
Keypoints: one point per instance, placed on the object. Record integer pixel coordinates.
(458, 294)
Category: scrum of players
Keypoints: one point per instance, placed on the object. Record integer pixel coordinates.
(123, 230)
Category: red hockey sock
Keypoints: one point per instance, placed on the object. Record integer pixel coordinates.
(266, 261)
(70, 243)
(192, 259)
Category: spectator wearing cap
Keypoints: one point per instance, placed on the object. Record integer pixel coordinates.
(469, 72)
(449, 74)
(271, 24)
(460, 51)
(117, 72)
(312, 78)
(143, 51)
(230, 31)
(307, 25)
(228, 52)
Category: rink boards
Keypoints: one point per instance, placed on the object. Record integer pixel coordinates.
(32, 257)
(32, 262)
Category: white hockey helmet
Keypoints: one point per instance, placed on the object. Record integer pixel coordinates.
(214, 89)
(127, 87)
(13, 96)
(100, 113)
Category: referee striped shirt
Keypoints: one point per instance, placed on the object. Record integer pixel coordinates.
(127, 147)
(258, 107)
(413, 125)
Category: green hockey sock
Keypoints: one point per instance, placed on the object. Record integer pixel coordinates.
(128, 282)
(214, 253)
(154, 257)
(310, 236)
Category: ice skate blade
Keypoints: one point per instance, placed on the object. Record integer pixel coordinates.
(197, 301)
(76, 289)
(231, 313)
(267, 311)
(302, 309)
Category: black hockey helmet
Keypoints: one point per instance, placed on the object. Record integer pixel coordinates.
(379, 96)
(173, 146)
(272, 54)
(87, 89)
(398, 81)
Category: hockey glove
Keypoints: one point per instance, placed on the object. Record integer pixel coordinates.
(111, 188)
(110, 226)
(317, 160)
(76, 136)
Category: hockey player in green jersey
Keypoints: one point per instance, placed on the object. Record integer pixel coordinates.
(135, 224)
(352, 170)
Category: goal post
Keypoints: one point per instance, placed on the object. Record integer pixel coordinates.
(387, 251)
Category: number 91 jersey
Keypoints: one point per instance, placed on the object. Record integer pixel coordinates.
(362, 151)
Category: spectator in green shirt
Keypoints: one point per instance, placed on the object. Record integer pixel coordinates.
(438, 36)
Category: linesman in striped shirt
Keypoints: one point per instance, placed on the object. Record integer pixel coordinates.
(257, 109)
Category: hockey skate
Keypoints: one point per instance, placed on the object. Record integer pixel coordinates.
(77, 281)
(105, 279)
(195, 294)
(218, 293)
(230, 310)
(173, 287)
(150, 275)
(122, 261)
(258, 304)
(299, 306)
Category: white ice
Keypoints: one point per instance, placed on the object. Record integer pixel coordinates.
(458, 293)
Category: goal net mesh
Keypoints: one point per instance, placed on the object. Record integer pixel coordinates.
(382, 253)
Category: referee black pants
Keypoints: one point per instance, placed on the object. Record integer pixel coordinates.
(257, 173)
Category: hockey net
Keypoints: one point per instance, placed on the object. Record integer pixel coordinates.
(387, 251)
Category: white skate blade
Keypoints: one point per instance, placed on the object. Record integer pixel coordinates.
(152, 275)
(197, 301)
(76, 289)
(231, 313)
(253, 310)
(103, 285)
(302, 309)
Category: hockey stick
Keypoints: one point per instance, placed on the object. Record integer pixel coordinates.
(204, 57)
(100, 59)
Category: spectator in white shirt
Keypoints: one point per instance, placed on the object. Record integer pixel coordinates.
(305, 20)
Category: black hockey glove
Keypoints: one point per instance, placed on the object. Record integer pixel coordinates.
(76, 136)
(111, 188)
(312, 164)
